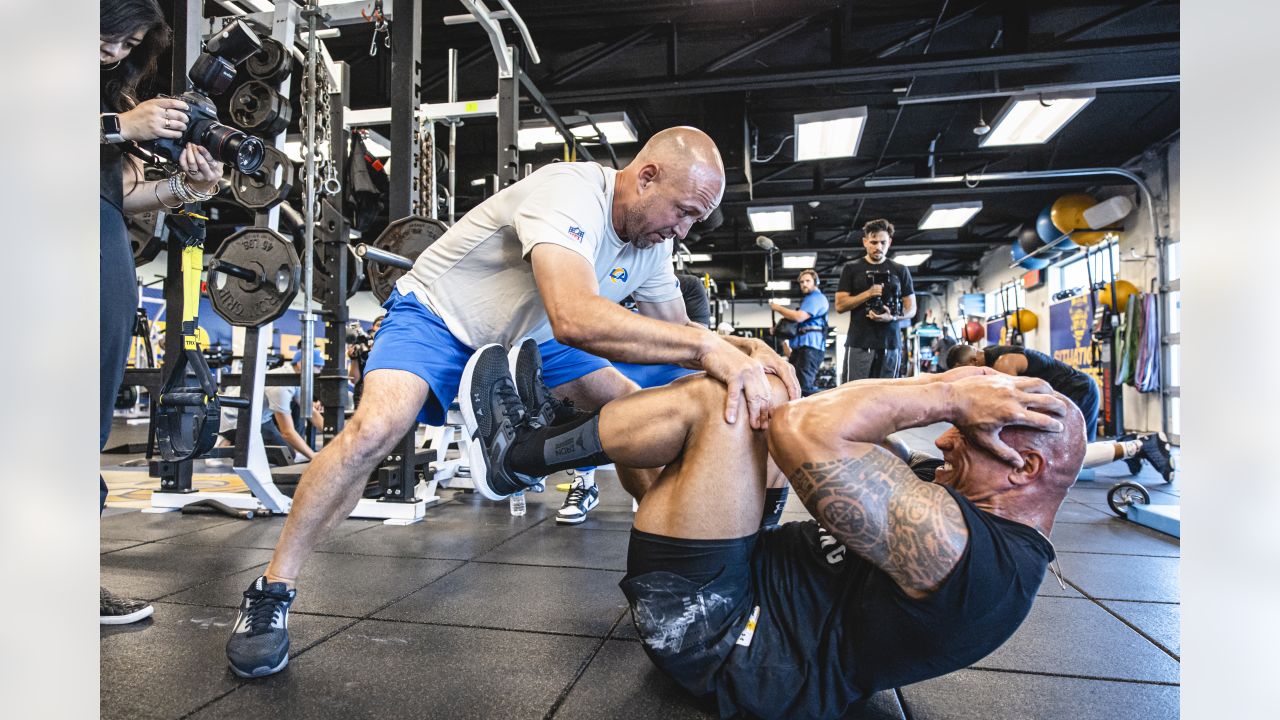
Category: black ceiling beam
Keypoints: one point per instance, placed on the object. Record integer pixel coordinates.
(895, 193)
(1107, 19)
(595, 57)
(916, 37)
(932, 65)
(752, 47)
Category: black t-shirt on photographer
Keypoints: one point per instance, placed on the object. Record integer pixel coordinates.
(863, 332)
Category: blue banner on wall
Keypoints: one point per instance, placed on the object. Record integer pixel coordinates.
(997, 332)
(1071, 334)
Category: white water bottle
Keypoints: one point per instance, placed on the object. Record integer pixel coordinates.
(517, 504)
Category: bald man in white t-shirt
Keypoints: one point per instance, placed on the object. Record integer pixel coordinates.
(548, 257)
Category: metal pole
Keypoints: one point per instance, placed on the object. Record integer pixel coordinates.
(309, 258)
(452, 80)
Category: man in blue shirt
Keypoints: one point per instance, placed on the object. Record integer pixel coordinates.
(810, 342)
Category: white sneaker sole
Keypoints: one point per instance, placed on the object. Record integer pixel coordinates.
(132, 617)
(260, 671)
(475, 455)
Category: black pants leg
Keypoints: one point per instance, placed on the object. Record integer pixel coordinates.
(806, 361)
(117, 314)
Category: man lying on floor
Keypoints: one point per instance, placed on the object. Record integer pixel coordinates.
(900, 580)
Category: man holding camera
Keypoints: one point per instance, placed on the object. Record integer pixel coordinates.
(877, 292)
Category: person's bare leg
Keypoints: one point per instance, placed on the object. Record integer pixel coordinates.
(713, 483)
(591, 392)
(332, 485)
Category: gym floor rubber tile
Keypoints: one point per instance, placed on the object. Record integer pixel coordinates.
(257, 533)
(155, 570)
(625, 629)
(383, 670)
(1162, 621)
(982, 695)
(1074, 512)
(1122, 577)
(106, 546)
(137, 525)
(175, 661)
(605, 519)
(331, 584)
(621, 684)
(1050, 587)
(547, 544)
(1116, 537)
(447, 536)
(518, 597)
(1053, 640)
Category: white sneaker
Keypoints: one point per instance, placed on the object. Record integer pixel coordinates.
(580, 499)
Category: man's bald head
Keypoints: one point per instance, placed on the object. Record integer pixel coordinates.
(676, 179)
(1063, 452)
(685, 149)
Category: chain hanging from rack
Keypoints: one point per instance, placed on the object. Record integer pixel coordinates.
(425, 179)
(326, 180)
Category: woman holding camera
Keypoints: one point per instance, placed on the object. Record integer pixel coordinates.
(133, 33)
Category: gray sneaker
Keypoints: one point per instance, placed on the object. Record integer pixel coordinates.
(259, 644)
(491, 414)
(115, 610)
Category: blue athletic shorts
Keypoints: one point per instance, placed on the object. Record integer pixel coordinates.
(562, 364)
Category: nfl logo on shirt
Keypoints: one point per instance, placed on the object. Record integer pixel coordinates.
(618, 274)
(577, 233)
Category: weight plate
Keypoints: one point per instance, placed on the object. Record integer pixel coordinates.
(257, 108)
(408, 237)
(146, 235)
(271, 64)
(260, 191)
(272, 259)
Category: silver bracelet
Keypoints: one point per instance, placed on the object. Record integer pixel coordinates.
(176, 189)
(199, 195)
(156, 190)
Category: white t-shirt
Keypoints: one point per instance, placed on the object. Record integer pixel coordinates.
(478, 278)
(275, 398)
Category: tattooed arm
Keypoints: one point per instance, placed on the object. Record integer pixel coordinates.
(868, 498)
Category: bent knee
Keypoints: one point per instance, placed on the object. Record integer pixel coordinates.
(371, 436)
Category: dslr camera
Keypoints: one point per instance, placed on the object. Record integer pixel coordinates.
(890, 299)
(211, 74)
(358, 342)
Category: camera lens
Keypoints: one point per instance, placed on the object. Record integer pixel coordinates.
(232, 146)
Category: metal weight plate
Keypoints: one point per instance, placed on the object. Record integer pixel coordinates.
(271, 64)
(257, 108)
(147, 235)
(408, 237)
(259, 191)
(326, 267)
(272, 259)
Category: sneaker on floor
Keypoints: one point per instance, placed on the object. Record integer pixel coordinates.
(491, 413)
(115, 610)
(1133, 463)
(580, 500)
(259, 644)
(541, 408)
(1157, 451)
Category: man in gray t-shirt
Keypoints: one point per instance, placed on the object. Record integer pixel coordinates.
(548, 257)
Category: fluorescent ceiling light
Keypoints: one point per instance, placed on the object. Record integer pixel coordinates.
(771, 218)
(912, 259)
(1032, 119)
(829, 133)
(698, 257)
(781, 285)
(949, 215)
(799, 261)
(616, 128)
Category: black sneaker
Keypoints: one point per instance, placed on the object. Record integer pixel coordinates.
(578, 502)
(259, 644)
(491, 412)
(541, 408)
(1133, 463)
(115, 610)
(1157, 451)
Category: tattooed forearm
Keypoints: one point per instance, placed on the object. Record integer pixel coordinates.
(876, 507)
